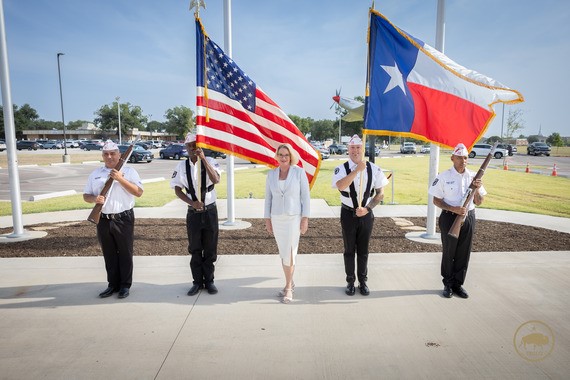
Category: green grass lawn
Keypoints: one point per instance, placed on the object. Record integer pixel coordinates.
(514, 191)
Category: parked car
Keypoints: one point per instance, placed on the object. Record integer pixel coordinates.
(338, 149)
(213, 153)
(2, 145)
(537, 148)
(324, 153)
(72, 143)
(367, 151)
(27, 144)
(408, 148)
(52, 144)
(145, 144)
(175, 151)
(425, 149)
(138, 154)
(482, 150)
(92, 146)
(511, 149)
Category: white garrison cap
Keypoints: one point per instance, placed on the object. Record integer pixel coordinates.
(109, 145)
(190, 138)
(460, 150)
(355, 140)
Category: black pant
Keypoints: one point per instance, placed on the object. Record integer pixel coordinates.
(116, 240)
(202, 229)
(456, 252)
(356, 232)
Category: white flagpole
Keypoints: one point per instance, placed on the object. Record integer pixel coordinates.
(434, 149)
(10, 130)
(230, 157)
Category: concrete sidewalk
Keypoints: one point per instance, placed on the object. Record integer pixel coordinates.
(54, 326)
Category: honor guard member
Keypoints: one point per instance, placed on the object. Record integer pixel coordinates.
(115, 229)
(357, 219)
(193, 181)
(447, 190)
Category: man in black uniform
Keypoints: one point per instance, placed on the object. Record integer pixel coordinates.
(197, 176)
(357, 219)
(447, 191)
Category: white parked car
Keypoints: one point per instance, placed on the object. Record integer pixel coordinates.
(482, 150)
(425, 149)
(2, 146)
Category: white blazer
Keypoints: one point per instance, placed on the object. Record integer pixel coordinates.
(296, 198)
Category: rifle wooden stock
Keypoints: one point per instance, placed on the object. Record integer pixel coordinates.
(469, 194)
(95, 214)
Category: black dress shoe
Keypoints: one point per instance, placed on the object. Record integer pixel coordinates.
(447, 293)
(364, 289)
(211, 288)
(460, 292)
(350, 289)
(124, 293)
(107, 292)
(194, 289)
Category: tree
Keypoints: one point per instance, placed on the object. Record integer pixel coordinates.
(323, 129)
(24, 118)
(155, 126)
(73, 125)
(493, 139)
(179, 121)
(555, 140)
(107, 118)
(303, 123)
(531, 139)
(514, 122)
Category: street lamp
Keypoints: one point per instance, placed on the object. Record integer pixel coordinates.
(119, 111)
(65, 155)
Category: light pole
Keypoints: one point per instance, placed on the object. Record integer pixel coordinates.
(65, 155)
(119, 111)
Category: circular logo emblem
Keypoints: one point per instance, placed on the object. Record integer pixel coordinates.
(534, 340)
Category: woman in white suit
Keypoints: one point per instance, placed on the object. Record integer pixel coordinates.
(287, 198)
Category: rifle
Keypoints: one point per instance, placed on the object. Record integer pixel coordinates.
(95, 214)
(469, 194)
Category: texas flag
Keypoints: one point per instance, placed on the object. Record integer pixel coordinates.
(416, 91)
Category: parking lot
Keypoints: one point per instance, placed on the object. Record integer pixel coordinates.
(37, 180)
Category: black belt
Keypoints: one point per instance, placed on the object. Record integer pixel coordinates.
(206, 208)
(452, 213)
(117, 216)
(347, 207)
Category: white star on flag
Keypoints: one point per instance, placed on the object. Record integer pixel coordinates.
(396, 78)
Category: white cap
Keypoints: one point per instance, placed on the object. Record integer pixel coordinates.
(355, 140)
(460, 150)
(109, 145)
(190, 138)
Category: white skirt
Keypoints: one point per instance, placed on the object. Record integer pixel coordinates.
(287, 229)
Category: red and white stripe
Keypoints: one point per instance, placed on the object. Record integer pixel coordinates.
(224, 124)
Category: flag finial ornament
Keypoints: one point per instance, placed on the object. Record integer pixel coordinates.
(197, 4)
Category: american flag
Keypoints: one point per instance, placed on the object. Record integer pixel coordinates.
(235, 116)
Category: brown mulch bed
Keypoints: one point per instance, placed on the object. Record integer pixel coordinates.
(168, 237)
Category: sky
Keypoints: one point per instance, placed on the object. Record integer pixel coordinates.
(300, 52)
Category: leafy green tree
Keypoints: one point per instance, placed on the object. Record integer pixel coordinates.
(515, 123)
(303, 123)
(531, 139)
(493, 139)
(107, 118)
(24, 118)
(323, 129)
(155, 126)
(555, 140)
(73, 125)
(179, 121)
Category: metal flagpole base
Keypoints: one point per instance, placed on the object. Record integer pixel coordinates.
(423, 237)
(27, 235)
(235, 225)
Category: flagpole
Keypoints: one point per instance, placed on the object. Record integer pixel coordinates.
(230, 158)
(434, 148)
(13, 175)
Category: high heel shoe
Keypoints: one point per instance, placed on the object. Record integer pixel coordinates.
(287, 299)
(283, 291)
